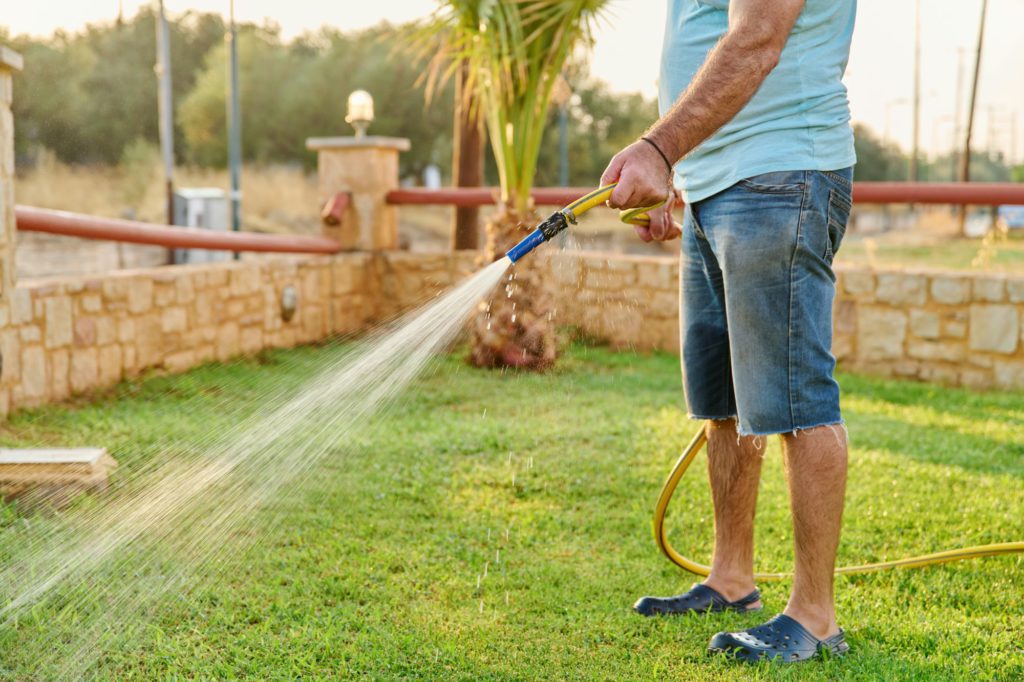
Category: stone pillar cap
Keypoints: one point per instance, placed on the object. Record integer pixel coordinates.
(9, 59)
(366, 142)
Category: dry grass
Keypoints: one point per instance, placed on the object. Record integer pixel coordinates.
(275, 198)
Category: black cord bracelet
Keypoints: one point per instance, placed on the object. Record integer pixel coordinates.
(660, 153)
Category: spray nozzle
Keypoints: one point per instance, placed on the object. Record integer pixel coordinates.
(552, 225)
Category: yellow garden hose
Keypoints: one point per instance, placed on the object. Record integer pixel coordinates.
(559, 221)
(690, 453)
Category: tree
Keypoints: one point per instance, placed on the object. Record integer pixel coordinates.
(514, 51)
(877, 160)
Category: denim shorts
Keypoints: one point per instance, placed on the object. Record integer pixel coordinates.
(757, 291)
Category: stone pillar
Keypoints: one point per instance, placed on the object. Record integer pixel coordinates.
(367, 169)
(10, 62)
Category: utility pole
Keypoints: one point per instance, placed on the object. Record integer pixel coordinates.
(965, 160)
(165, 104)
(234, 127)
(917, 92)
(957, 110)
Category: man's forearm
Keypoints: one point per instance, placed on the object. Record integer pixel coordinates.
(732, 73)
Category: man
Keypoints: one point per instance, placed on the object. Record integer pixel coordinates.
(755, 132)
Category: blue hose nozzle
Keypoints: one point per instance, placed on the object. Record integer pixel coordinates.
(554, 224)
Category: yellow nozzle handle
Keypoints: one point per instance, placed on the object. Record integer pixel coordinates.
(633, 216)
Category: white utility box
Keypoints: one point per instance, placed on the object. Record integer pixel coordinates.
(205, 208)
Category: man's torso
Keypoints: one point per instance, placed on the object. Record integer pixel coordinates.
(799, 117)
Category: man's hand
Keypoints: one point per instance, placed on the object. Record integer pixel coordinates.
(643, 177)
(662, 227)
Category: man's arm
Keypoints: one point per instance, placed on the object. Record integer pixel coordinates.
(732, 73)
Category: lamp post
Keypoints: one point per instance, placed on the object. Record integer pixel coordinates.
(360, 111)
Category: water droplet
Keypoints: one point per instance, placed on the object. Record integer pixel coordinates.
(478, 581)
(486, 564)
(497, 556)
(513, 317)
(506, 599)
(481, 606)
(488, 326)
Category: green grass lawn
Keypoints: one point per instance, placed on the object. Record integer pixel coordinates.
(371, 568)
(900, 250)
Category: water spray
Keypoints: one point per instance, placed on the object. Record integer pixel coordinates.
(559, 221)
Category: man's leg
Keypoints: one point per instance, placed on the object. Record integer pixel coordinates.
(734, 470)
(816, 470)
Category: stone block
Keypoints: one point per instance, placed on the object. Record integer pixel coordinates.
(1015, 290)
(174, 320)
(21, 306)
(140, 295)
(858, 283)
(900, 289)
(148, 341)
(58, 321)
(91, 303)
(106, 330)
(845, 317)
(227, 341)
(657, 275)
(85, 331)
(184, 289)
(662, 304)
(84, 369)
(31, 333)
(251, 340)
(245, 280)
(181, 361)
(989, 289)
(954, 329)
(975, 378)
(164, 294)
(924, 324)
(126, 330)
(110, 365)
(10, 348)
(129, 360)
(33, 372)
(1009, 374)
(940, 374)
(937, 350)
(880, 334)
(994, 328)
(951, 290)
(60, 361)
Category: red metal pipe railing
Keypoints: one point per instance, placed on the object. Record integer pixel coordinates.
(970, 193)
(31, 219)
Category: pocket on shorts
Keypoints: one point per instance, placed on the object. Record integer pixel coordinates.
(839, 206)
(783, 182)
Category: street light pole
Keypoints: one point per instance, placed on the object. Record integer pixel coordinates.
(234, 127)
(165, 105)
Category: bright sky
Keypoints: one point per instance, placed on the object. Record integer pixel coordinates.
(629, 42)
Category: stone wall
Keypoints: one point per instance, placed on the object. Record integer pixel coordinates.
(949, 327)
(70, 335)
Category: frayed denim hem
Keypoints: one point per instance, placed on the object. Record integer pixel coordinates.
(796, 431)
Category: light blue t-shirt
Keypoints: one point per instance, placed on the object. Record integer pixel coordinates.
(799, 119)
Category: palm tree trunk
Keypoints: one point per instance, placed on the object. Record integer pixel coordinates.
(515, 326)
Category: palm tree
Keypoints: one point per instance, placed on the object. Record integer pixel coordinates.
(514, 51)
